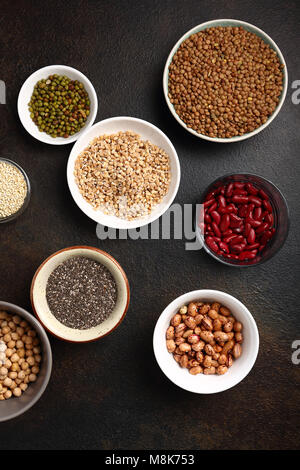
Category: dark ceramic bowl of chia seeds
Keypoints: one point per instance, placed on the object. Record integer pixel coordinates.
(80, 294)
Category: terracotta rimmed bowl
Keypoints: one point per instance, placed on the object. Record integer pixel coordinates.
(48, 320)
(14, 407)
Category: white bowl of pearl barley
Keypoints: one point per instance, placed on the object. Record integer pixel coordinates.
(123, 172)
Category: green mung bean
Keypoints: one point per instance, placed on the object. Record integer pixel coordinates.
(59, 106)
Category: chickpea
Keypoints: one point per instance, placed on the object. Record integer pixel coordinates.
(17, 392)
(19, 344)
(16, 319)
(7, 382)
(35, 370)
(7, 394)
(24, 365)
(32, 377)
(23, 387)
(7, 338)
(15, 357)
(13, 375)
(3, 371)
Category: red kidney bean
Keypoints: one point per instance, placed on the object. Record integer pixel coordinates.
(216, 229)
(250, 210)
(238, 229)
(247, 255)
(251, 189)
(207, 218)
(253, 247)
(224, 247)
(239, 192)
(238, 248)
(253, 223)
(251, 236)
(211, 244)
(235, 221)
(222, 201)
(238, 239)
(231, 256)
(209, 202)
(216, 216)
(213, 207)
(239, 199)
(225, 222)
(266, 237)
(263, 194)
(238, 185)
(247, 229)
(230, 238)
(258, 213)
(209, 228)
(269, 219)
(263, 227)
(243, 210)
(228, 192)
(227, 233)
(255, 200)
(267, 205)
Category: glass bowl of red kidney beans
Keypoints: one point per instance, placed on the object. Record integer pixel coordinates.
(244, 220)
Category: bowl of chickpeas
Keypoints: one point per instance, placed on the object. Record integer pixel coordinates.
(25, 361)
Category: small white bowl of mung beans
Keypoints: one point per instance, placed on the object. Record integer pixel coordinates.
(56, 104)
(225, 80)
(206, 341)
(123, 172)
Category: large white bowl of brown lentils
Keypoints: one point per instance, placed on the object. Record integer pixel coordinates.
(225, 80)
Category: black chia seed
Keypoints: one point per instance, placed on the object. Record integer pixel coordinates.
(81, 293)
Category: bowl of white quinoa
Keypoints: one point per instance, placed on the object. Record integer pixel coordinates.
(14, 190)
(123, 172)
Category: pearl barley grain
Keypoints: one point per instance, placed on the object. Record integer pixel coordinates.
(13, 189)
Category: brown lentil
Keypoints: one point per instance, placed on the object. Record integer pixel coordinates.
(13, 189)
(225, 81)
(81, 293)
(123, 175)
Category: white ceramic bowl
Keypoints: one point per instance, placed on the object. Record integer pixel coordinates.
(147, 131)
(48, 320)
(248, 27)
(207, 383)
(26, 93)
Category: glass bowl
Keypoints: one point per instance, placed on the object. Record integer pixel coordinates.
(280, 213)
(27, 198)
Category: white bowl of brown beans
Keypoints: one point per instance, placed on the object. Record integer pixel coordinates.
(225, 80)
(206, 380)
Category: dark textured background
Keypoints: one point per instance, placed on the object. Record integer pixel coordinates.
(111, 394)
